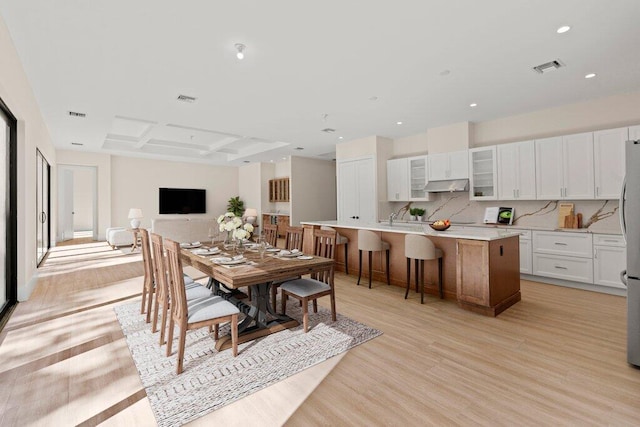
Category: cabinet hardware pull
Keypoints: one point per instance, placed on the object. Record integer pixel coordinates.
(595, 252)
(560, 267)
(610, 241)
(560, 244)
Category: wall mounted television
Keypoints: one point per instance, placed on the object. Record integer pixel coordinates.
(182, 201)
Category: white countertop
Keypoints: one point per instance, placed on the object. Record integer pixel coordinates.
(454, 232)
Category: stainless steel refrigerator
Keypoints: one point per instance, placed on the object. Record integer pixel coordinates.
(630, 223)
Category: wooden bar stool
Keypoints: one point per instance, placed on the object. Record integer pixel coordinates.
(371, 242)
(421, 248)
(340, 240)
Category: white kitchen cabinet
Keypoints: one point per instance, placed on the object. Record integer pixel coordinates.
(609, 259)
(564, 167)
(397, 180)
(418, 174)
(563, 255)
(608, 157)
(516, 171)
(483, 173)
(634, 133)
(443, 166)
(357, 190)
(526, 259)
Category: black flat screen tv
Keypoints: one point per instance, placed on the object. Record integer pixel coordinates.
(182, 201)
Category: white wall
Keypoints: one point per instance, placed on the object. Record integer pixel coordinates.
(452, 137)
(16, 93)
(135, 183)
(102, 163)
(313, 190)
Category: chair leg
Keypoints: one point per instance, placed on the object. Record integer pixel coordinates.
(249, 293)
(333, 305)
(144, 298)
(154, 323)
(183, 337)
(406, 292)
(388, 270)
(216, 331)
(421, 281)
(283, 302)
(359, 266)
(170, 337)
(234, 334)
(346, 258)
(417, 272)
(274, 290)
(149, 302)
(305, 314)
(440, 278)
(163, 322)
(370, 267)
(315, 306)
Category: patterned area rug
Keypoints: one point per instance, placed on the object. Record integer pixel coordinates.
(211, 380)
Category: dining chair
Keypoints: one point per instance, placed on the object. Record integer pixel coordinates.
(371, 242)
(421, 249)
(318, 285)
(148, 282)
(270, 233)
(194, 314)
(292, 240)
(193, 289)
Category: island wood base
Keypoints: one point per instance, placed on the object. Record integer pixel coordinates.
(490, 270)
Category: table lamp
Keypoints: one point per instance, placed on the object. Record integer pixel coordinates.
(250, 215)
(134, 215)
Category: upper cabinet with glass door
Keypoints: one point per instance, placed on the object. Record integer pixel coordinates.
(418, 174)
(483, 173)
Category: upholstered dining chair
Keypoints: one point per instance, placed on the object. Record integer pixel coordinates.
(421, 249)
(194, 314)
(292, 240)
(371, 242)
(318, 285)
(270, 233)
(194, 290)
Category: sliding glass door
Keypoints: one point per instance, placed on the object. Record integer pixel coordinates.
(42, 206)
(8, 216)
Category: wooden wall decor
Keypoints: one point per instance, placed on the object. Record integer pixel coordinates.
(279, 190)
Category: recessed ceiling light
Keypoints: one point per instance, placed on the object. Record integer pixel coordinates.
(445, 72)
(590, 76)
(398, 123)
(373, 98)
(77, 114)
(240, 50)
(563, 29)
(473, 104)
(340, 137)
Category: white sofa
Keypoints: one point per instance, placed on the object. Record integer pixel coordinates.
(119, 236)
(184, 229)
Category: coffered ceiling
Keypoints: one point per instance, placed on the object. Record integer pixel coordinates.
(358, 67)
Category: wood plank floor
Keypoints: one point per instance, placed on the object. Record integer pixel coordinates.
(558, 357)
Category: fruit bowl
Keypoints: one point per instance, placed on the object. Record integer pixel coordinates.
(439, 226)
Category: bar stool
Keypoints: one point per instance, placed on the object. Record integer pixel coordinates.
(371, 242)
(421, 248)
(340, 240)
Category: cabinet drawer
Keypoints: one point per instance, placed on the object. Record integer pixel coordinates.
(573, 244)
(563, 267)
(608, 240)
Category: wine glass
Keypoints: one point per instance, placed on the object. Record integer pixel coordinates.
(262, 247)
(212, 235)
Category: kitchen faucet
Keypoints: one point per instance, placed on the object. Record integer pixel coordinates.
(392, 217)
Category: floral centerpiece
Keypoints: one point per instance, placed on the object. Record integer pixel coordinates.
(232, 224)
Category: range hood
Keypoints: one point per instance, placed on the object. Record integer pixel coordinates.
(447, 186)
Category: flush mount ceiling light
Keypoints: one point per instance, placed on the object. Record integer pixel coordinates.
(563, 29)
(327, 130)
(340, 137)
(240, 48)
(186, 98)
(590, 76)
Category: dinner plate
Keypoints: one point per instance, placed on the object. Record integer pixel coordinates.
(228, 261)
(190, 245)
(205, 251)
(273, 250)
(289, 255)
(305, 257)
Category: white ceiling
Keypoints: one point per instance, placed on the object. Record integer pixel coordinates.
(308, 66)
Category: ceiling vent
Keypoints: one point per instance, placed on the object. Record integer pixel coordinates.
(186, 98)
(77, 143)
(76, 114)
(328, 130)
(549, 66)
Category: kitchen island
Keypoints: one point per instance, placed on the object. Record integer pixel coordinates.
(481, 267)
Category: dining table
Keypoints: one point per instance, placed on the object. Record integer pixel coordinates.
(257, 272)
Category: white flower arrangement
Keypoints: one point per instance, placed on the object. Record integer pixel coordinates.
(231, 223)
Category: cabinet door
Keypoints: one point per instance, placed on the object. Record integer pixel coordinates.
(609, 164)
(472, 268)
(526, 172)
(549, 184)
(507, 156)
(483, 174)
(578, 166)
(397, 180)
(347, 191)
(458, 165)
(418, 178)
(438, 165)
(526, 266)
(634, 133)
(366, 191)
(608, 262)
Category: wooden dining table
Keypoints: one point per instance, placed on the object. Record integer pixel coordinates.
(258, 273)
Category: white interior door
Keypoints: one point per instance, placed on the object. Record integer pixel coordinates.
(66, 204)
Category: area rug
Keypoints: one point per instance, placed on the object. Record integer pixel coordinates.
(211, 380)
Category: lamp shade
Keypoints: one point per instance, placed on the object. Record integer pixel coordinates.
(250, 215)
(134, 215)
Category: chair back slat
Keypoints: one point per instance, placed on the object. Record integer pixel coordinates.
(270, 233)
(176, 282)
(294, 238)
(146, 259)
(159, 267)
(325, 246)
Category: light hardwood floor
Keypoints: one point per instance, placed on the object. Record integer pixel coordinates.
(558, 357)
